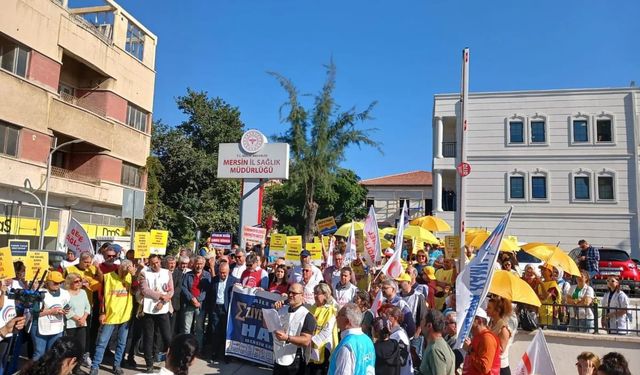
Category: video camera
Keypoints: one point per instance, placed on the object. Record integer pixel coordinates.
(30, 297)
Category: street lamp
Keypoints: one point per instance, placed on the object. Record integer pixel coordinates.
(195, 244)
(25, 191)
(46, 189)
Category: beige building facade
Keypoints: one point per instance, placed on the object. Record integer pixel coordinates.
(83, 75)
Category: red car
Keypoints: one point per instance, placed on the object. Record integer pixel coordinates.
(614, 262)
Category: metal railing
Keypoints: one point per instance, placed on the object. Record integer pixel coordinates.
(564, 317)
(449, 149)
(83, 103)
(71, 175)
(105, 34)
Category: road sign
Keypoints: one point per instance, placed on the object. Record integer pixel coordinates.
(463, 169)
(131, 198)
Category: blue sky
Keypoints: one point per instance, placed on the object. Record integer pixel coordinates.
(399, 53)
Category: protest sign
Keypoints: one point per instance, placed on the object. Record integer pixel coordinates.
(142, 247)
(34, 261)
(253, 235)
(316, 252)
(327, 226)
(77, 239)
(452, 247)
(294, 247)
(371, 239)
(19, 247)
(221, 240)
(158, 241)
(6, 264)
(246, 337)
(277, 245)
(359, 241)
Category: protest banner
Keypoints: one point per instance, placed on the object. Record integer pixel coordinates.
(316, 252)
(451, 247)
(253, 235)
(294, 247)
(19, 247)
(393, 268)
(34, 261)
(158, 241)
(372, 248)
(327, 226)
(246, 337)
(277, 245)
(142, 247)
(359, 241)
(537, 359)
(221, 240)
(6, 264)
(77, 239)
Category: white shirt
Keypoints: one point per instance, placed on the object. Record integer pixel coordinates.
(345, 358)
(399, 335)
(238, 270)
(307, 292)
(344, 294)
(295, 276)
(53, 324)
(66, 263)
(222, 285)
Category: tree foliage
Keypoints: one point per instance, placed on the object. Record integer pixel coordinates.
(319, 137)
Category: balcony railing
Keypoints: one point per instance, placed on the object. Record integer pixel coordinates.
(449, 149)
(84, 103)
(71, 175)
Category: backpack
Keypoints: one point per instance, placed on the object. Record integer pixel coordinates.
(404, 353)
(528, 320)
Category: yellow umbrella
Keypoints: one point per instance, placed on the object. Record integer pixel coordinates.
(414, 231)
(471, 233)
(505, 245)
(345, 229)
(508, 285)
(431, 223)
(552, 255)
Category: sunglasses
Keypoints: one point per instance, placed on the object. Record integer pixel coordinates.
(292, 292)
(77, 281)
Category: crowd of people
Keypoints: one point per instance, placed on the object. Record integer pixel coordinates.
(337, 319)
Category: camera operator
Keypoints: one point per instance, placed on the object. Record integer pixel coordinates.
(7, 311)
(49, 325)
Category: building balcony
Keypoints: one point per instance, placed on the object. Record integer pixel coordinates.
(449, 149)
(84, 103)
(73, 175)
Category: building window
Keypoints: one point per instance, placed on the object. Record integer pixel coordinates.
(539, 187)
(538, 132)
(370, 202)
(580, 131)
(516, 187)
(581, 188)
(13, 57)
(604, 131)
(516, 132)
(136, 118)
(131, 175)
(135, 41)
(8, 139)
(605, 188)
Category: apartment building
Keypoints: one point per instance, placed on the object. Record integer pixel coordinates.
(83, 77)
(566, 160)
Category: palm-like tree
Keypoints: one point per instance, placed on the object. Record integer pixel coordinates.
(318, 139)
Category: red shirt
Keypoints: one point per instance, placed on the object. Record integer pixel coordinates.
(251, 278)
(195, 291)
(279, 288)
(484, 358)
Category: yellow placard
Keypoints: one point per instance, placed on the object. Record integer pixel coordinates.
(6, 264)
(359, 241)
(294, 247)
(327, 225)
(158, 241)
(325, 242)
(35, 260)
(277, 245)
(142, 248)
(452, 247)
(316, 239)
(316, 252)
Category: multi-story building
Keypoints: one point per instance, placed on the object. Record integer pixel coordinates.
(84, 76)
(566, 160)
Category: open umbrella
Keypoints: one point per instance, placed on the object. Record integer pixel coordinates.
(345, 229)
(414, 231)
(506, 284)
(505, 245)
(552, 255)
(431, 223)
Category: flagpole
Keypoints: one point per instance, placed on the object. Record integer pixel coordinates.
(461, 177)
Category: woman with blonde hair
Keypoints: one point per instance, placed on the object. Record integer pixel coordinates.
(588, 363)
(581, 295)
(78, 313)
(615, 304)
(325, 337)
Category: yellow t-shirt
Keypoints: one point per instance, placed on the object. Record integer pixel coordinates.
(118, 301)
(91, 274)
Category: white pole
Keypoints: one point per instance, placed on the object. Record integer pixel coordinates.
(464, 100)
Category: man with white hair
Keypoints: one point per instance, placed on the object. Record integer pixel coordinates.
(355, 353)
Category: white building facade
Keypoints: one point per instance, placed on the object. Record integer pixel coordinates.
(566, 160)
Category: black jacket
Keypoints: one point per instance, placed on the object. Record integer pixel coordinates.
(177, 286)
(211, 301)
(388, 358)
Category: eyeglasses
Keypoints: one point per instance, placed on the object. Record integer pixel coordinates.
(292, 292)
(77, 281)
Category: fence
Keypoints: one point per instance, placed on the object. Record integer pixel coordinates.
(564, 317)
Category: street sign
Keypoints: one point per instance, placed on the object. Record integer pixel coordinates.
(270, 162)
(131, 198)
(463, 169)
(19, 247)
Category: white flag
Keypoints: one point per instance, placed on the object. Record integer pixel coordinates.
(351, 254)
(77, 239)
(332, 248)
(393, 267)
(372, 247)
(377, 302)
(537, 359)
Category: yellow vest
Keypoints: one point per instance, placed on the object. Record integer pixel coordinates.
(118, 301)
(91, 274)
(323, 315)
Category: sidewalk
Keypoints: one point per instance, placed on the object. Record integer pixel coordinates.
(237, 367)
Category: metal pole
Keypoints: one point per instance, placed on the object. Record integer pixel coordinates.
(464, 99)
(39, 203)
(133, 222)
(195, 244)
(46, 189)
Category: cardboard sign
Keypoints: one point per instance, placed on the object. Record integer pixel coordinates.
(142, 247)
(325, 242)
(452, 247)
(316, 252)
(294, 247)
(278, 245)
(359, 241)
(327, 225)
(221, 240)
(6, 264)
(35, 260)
(19, 247)
(253, 235)
(158, 241)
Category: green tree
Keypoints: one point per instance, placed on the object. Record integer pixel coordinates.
(318, 138)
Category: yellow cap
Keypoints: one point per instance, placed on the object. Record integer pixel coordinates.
(430, 272)
(404, 277)
(55, 276)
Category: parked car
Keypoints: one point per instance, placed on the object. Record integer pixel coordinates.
(614, 262)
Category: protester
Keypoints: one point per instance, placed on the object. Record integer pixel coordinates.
(308, 283)
(325, 336)
(429, 277)
(296, 273)
(363, 301)
(291, 346)
(389, 292)
(615, 304)
(445, 278)
(63, 356)
(417, 306)
(530, 277)
(344, 292)
(549, 294)
(79, 310)
(483, 351)
(48, 325)
(180, 355)
(396, 316)
(421, 288)
(331, 274)
(195, 285)
(111, 261)
(217, 307)
(589, 258)
(614, 364)
(115, 313)
(355, 353)
(499, 310)
(279, 284)
(581, 295)
(587, 363)
(239, 265)
(254, 276)
(8, 322)
(421, 261)
(175, 322)
(71, 259)
(450, 332)
(438, 358)
(389, 358)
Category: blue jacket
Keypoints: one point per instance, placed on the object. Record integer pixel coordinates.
(204, 286)
(362, 346)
